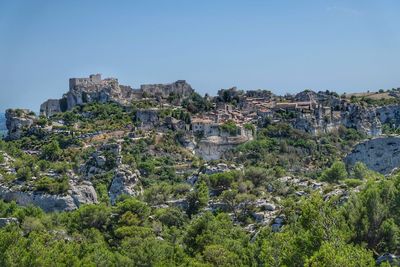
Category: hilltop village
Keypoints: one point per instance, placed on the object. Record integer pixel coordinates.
(164, 147)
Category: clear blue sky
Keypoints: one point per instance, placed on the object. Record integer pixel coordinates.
(285, 46)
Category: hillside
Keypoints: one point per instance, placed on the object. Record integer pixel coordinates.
(161, 176)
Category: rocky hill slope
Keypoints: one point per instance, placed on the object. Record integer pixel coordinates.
(162, 176)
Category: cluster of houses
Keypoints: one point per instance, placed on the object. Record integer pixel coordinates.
(305, 112)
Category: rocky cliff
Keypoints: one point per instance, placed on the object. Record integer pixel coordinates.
(381, 154)
(213, 147)
(18, 121)
(180, 88)
(79, 193)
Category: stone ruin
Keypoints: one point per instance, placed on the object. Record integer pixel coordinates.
(96, 89)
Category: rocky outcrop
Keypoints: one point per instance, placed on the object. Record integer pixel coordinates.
(51, 107)
(175, 124)
(306, 95)
(147, 117)
(365, 120)
(18, 121)
(89, 90)
(213, 147)
(389, 114)
(79, 193)
(107, 157)
(381, 154)
(125, 182)
(180, 88)
(107, 90)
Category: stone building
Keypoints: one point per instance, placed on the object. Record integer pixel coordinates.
(93, 79)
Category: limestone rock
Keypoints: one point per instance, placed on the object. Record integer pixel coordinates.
(213, 147)
(381, 154)
(147, 117)
(18, 121)
(78, 194)
(175, 124)
(180, 87)
(89, 90)
(124, 182)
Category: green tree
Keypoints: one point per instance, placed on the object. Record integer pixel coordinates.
(335, 173)
(360, 170)
(218, 255)
(51, 151)
(339, 254)
(198, 198)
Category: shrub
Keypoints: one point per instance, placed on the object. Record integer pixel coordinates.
(352, 182)
(52, 186)
(24, 173)
(335, 173)
(51, 151)
(229, 127)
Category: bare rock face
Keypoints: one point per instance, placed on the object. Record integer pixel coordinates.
(147, 117)
(180, 87)
(125, 182)
(365, 120)
(306, 95)
(174, 124)
(50, 107)
(18, 121)
(213, 147)
(380, 154)
(77, 195)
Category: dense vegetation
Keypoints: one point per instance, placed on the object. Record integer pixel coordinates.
(318, 229)
(318, 233)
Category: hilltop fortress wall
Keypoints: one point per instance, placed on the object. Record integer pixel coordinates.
(95, 89)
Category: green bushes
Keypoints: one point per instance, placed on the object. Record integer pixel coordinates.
(230, 127)
(335, 173)
(222, 180)
(51, 151)
(52, 185)
(24, 173)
